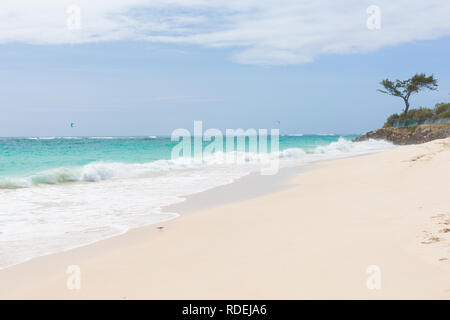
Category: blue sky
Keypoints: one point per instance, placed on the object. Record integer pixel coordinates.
(138, 87)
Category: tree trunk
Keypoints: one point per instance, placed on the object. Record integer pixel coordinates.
(406, 111)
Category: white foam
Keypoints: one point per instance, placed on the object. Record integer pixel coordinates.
(343, 146)
(50, 218)
(47, 214)
(47, 138)
(101, 138)
(100, 171)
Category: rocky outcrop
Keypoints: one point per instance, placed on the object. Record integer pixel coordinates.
(410, 135)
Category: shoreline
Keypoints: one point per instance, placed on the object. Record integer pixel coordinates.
(192, 203)
(202, 200)
(90, 205)
(214, 197)
(254, 185)
(28, 279)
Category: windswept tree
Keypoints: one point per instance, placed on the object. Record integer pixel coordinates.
(405, 88)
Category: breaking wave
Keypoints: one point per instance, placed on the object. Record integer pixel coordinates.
(99, 171)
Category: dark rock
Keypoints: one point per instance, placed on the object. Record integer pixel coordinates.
(409, 135)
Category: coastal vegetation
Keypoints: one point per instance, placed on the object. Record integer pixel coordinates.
(404, 89)
(413, 125)
(440, 111)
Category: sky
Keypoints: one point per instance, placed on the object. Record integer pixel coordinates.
(147, 67)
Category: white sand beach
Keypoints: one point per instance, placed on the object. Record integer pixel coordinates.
(312, 239)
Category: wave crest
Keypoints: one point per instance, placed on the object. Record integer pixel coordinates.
(99, 171)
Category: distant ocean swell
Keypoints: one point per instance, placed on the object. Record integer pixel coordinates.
(57, 194)
(105, 170)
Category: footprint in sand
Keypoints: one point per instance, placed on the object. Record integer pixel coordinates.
(442, 219)
(416, 158)
(431, 240)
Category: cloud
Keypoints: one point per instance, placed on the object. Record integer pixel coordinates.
(274, 32)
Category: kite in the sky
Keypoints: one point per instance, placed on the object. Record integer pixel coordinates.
(72, 125)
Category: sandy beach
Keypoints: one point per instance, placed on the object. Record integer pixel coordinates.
(312, 235)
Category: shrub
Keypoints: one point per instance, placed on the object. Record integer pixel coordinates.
(442, 115)
(413, 115)
(390, 119)
(442, 110)
(420, 114)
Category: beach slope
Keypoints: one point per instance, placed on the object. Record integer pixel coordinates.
(387, 214)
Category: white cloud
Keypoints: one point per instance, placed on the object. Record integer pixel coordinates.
(261, 31)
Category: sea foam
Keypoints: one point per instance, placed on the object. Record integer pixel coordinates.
(62, 208)
(99, 171)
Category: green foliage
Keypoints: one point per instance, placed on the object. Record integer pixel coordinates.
(420, 114)
(391, 119)
(442, 110)
(445, 114)
(405, 88)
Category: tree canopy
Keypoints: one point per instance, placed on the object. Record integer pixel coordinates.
(405, 88)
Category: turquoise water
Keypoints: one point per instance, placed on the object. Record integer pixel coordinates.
(61, 193)
(21, 157)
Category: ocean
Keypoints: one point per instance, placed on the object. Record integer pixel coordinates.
(58, 193)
